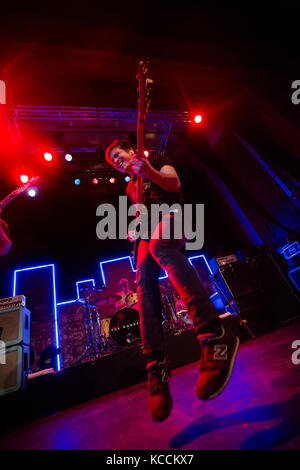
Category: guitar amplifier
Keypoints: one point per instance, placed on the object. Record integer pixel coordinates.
(294, 275)
(9, 302)
(232, 278)
(271, 273)
(256, 279)
(14, 365)
(15, 324)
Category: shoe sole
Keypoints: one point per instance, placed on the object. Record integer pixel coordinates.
(220, 390)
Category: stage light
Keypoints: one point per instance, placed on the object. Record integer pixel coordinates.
(32, 192)
(127, 178)
(48, 156)
(198, 118)
(24, 178)
(146, 153)
(77, 181)
(95, 181)
(112, 180)
(68, 157)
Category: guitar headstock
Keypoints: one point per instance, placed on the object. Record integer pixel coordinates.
(142, 70)
(144, 89)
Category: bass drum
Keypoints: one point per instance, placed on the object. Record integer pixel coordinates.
(124, 326)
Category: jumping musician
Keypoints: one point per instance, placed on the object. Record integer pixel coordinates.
(218, 340)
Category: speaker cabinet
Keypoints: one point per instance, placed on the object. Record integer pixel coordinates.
(256, 282)
(15, 324)
(13, 367)
(294, 275)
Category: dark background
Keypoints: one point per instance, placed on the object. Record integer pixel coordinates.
(201, 57)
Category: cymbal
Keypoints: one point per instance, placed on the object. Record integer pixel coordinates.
(85, 289)
(90, 291)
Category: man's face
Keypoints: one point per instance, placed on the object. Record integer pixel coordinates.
(121, 159)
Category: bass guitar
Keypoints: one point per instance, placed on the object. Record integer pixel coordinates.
(144, 88)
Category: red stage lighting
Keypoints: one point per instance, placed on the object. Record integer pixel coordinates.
(112, 180)
(198, 118)
(48, 156)
(95, 181)
(24, 178)
(146, 153)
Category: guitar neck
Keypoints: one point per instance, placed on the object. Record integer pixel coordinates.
(143, 106)
(140, 146)
(7, 199)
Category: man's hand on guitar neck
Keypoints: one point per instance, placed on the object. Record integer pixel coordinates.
(166, 177)
(142, 167)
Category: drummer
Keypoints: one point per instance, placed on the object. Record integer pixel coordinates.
(123, 283)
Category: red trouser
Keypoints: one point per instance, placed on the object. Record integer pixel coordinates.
(153, 254)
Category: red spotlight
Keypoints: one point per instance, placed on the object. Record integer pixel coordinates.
(112, 180)
(198, 118)
(24, 178)
(48, 156)
(95, 181)
(146, 153)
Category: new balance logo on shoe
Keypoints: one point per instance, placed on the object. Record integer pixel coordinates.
(217, 359)
(220, 352)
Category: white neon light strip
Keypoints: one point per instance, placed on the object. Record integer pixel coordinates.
(82, 282)
(200, 256)
(56, 304)
(54, 301)
(119, 259)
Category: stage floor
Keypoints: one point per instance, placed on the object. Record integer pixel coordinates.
(259, 409)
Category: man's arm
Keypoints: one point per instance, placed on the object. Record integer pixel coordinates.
(167, 178)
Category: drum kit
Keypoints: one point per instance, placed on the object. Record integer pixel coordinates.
(106, 334)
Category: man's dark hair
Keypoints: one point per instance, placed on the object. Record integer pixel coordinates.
(123, 144)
